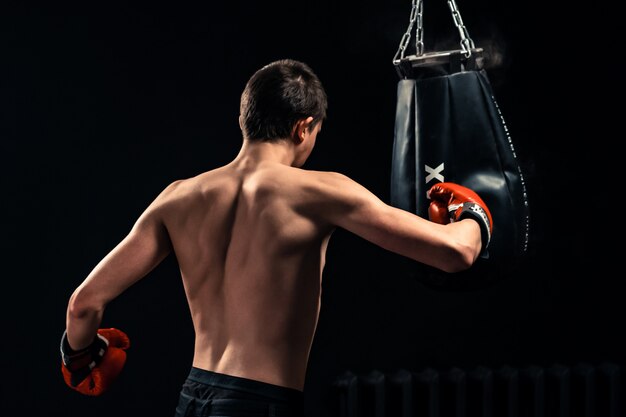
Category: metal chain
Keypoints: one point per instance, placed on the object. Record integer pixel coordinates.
(416, 16)
(419, 30)
(467, 44)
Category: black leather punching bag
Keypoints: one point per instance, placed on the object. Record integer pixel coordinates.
(449, 128)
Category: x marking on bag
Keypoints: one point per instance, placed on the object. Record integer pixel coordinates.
(434, 173)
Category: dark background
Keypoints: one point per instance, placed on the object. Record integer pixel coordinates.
(101, 109)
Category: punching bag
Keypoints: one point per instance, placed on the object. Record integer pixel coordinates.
(449, 128)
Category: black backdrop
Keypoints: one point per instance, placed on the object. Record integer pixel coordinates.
(100, 109)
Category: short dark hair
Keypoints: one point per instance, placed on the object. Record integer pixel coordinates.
(277, 96)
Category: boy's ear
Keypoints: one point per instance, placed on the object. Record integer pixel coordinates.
(301, 128)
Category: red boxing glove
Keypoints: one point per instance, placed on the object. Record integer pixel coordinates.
(451, 202)
(91, 370)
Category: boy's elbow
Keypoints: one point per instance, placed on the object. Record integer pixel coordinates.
(83, 304)
(460, 258)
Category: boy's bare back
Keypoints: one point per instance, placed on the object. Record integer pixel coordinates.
(250, 241)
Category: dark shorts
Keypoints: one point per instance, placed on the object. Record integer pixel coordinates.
(211, 394)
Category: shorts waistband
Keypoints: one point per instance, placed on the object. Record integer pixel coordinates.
(216, 379)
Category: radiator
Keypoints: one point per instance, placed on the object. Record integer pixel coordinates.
(558, 390)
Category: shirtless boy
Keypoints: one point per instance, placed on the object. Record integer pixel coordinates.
(250, 239)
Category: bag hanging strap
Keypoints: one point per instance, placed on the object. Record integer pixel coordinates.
(416, 18)
(467, 44)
